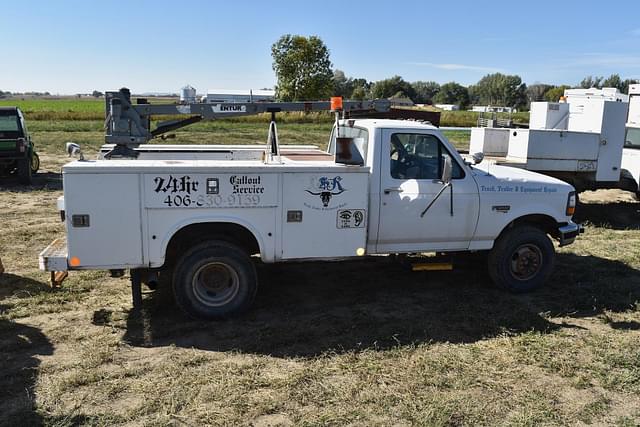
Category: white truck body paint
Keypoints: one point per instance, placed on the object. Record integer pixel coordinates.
(582, 140)
(304, 207)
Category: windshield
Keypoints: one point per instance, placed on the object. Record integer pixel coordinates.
(9, 125)
(632, 140)
(360, 138)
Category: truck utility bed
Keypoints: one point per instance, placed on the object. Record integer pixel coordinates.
(270, 198)
(214, 152)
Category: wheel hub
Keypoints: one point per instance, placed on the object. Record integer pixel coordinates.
(215, 284)
(526, 262)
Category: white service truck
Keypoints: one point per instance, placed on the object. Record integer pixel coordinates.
(383, 187)
(590, 140)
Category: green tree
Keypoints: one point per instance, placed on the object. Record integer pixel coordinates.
(391, 87)
(425, 91)
(359, 93)
(591, 81)
(626, 83)
(361, 86)
(342, 86)
(302, 67)
(501, 89)
(554, 94)
(346, 86)
(536, 91)
(474, 95)
(614, 80)
(452, 93)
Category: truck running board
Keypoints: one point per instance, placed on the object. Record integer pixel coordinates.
(432, 266)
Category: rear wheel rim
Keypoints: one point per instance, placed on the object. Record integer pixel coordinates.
(526, 262)
(35, 163)
(215, 284)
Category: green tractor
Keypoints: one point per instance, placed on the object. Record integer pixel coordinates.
(17, 153)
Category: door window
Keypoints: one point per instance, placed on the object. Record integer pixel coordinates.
(632, 139)
(419, 156)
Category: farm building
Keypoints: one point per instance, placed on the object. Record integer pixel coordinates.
(448, 107)
(493, 109)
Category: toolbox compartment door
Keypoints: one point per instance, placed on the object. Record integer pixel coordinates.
(325, 214)
(103, 220)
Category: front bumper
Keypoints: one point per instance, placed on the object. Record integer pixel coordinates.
(567, 233)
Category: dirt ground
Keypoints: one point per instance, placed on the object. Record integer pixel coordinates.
(346, 343)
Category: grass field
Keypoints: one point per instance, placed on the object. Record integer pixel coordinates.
(357, 343)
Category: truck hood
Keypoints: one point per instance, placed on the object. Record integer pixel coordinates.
(492, 173)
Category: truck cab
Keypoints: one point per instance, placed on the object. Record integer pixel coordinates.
(17, 153)
(407, 161)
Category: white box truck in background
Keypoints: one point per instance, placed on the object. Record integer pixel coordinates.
(590, 140)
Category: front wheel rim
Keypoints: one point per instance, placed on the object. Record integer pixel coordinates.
(526, 262)
(215, 284)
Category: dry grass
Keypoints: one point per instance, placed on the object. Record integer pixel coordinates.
(364, 343)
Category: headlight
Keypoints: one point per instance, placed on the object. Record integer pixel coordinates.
(572, 200)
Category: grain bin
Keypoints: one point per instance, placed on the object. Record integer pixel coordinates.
(187, 95)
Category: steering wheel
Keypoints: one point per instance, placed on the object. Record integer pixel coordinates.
(405, 160)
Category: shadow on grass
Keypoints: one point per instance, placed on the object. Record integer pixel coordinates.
(12, 284)
(619, 215)
(41, 181)
(303, 310)
(20, 346)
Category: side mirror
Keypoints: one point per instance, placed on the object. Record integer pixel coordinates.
(447, 170)
(477, 157)
(74, 149)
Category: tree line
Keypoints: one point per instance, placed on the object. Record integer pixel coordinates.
(304, 72)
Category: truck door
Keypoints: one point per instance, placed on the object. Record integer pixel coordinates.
(410, 171)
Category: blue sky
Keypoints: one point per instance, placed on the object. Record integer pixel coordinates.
(77, 46)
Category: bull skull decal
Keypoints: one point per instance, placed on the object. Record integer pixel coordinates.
(328, 187)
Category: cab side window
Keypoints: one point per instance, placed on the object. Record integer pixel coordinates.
(419, 156)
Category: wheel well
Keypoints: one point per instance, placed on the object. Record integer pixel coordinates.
(193, 234)
(544, 222)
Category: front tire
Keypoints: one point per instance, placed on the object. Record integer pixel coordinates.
(214, 280)
(522, 259)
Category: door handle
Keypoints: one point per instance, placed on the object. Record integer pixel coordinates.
(389, 190)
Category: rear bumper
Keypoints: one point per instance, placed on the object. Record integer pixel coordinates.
(567, 233)
(54, 256)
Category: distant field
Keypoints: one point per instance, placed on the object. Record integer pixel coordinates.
(93, 109)
(50, 136)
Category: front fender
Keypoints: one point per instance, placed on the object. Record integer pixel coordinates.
(494, 218)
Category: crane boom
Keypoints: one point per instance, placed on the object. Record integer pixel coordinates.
(129, 125)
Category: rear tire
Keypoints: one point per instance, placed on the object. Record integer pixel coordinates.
(214, 280)
(35, 163)
(24, 171)
(522, 259)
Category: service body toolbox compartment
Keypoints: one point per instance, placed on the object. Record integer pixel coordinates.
(297, 210)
